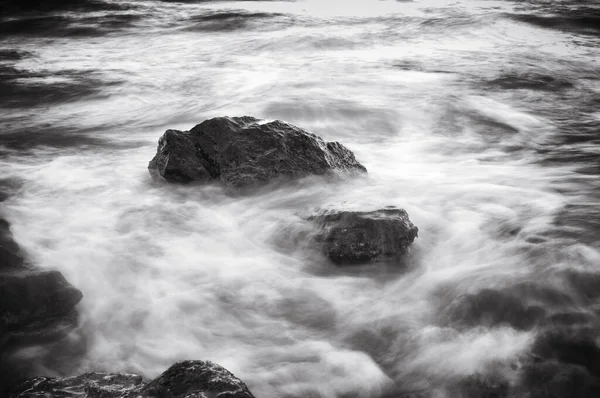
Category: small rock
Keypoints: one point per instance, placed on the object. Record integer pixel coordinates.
(362, 237)
(36, 306)
(243, 151)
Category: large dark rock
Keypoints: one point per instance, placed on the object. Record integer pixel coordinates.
(196, 377)
(36, 306)
(187, 379)
(351, 237)
(242, 151)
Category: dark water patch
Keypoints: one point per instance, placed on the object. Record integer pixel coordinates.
(21, 88)
(13, 55)
(60, 25)
(21, 7)
(448, 21)
(577, 145)
(571, 318)
(583, 220)
(228, 20)
(8, 187)
(30, 138)
(460, 119)
(112, 22)
(530, 81)
(44, 25)
(573, 345)
(579, 19)
(586, 284)
(481, 386)
(550, 379)
(409, 65)
(493, 308)
(217, 1)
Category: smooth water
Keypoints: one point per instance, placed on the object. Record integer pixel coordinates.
(481, 123)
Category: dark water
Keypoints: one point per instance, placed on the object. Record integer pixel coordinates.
(480, 118)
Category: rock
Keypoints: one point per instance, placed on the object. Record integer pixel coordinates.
(187, 379)
(243, 151)
(37, 309)
(350, 237)
(491, 308)
(96, 385)
(36, 306)
(196, 377)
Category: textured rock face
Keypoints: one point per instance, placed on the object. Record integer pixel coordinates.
(36, 306)
(187, 379)
(242, 151)
(362, 237)
(96, 385)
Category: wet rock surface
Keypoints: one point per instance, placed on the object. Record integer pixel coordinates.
(87, 385)
(33, 301)
(37, 306)
(244, 151)
(183, 379)
(352, 237)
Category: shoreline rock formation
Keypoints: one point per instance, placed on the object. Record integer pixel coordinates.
(186, 379)
(37, 306)
(244, 151)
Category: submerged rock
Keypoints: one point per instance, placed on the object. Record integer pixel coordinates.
(491, 308)
(187, 379)
(242, 151)
(36, 306)
(351, 237)
(97, 385)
